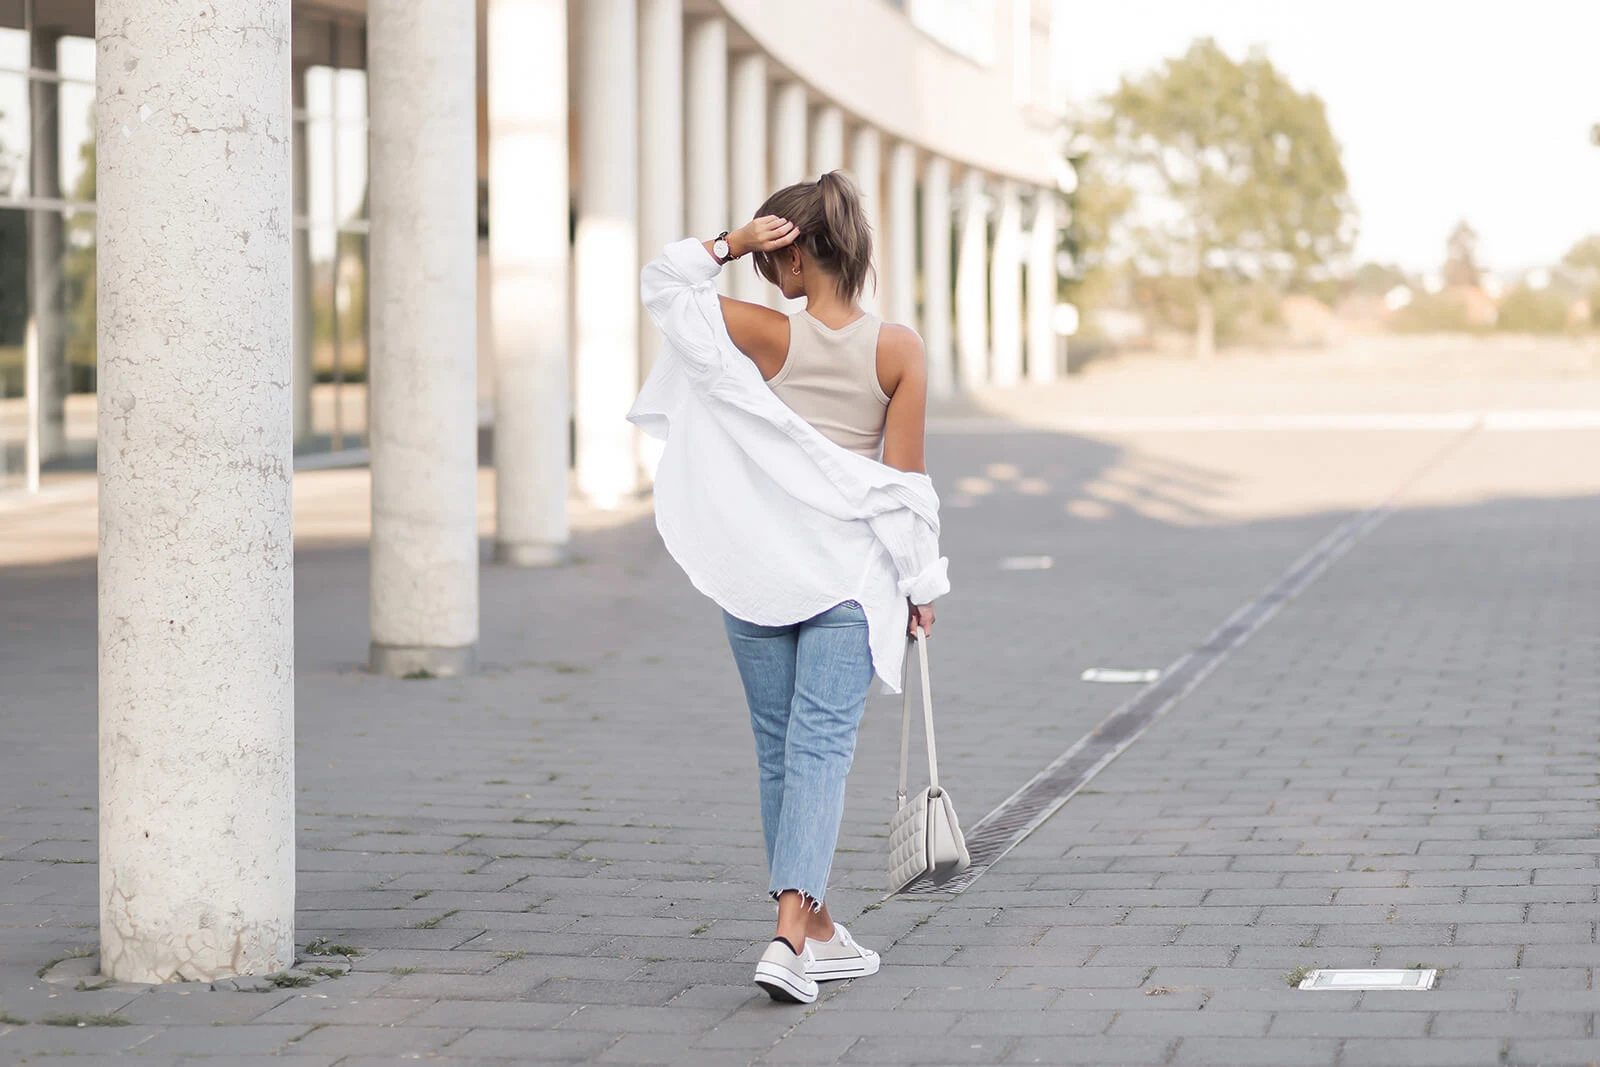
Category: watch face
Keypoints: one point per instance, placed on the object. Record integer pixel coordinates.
(720, 248)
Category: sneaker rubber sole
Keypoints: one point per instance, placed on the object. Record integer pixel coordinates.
(837, 970)
(780, 985)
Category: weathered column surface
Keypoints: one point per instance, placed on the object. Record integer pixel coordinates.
(606, 258)
(788, 135)
(972, 266)
(528, 255)
(789, 116)
(900, 240)
(705, 131)
(747, 158)
(424, 247)
(866, 165)
(1042, 289)
(827, 141)
(660, 146)
(937, 229)
(196, 568)
(1005, 291)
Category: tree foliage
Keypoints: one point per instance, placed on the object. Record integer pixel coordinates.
(1238, 173)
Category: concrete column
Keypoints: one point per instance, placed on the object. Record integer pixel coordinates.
(304, 375)
(528, 286)
(788, 135)
(1005, 291)
(196, 567)
(972, 268)
(827, 141)
(605, 260)
(788, 159)
(866, 166)
(747, 156)
(936, 237)
(1042, 289)
(424, 311)
(660, 147)
(705, 132)
(45, 248)
(900, 244)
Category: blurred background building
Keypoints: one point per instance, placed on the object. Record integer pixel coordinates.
(947, 112)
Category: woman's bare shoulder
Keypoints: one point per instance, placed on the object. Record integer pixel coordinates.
(899, 354)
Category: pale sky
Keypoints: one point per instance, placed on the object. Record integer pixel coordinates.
(1445, 108)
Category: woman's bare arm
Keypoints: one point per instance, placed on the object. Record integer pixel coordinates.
(903, 373)
(759, 332)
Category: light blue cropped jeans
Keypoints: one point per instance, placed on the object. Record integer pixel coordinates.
(807, 686)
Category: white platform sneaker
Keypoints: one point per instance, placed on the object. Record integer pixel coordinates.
(782, 974)
(838, 957)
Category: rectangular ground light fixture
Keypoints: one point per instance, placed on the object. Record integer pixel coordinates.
(1346, 980)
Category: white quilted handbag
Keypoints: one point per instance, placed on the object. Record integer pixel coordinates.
(924, 836)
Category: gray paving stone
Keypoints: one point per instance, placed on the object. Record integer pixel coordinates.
(1265, 1052)
(537, 1046)
(1099, 1051)
(1434, 1052)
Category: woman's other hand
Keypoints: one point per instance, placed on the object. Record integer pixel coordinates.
(765, 234)
(921, 616)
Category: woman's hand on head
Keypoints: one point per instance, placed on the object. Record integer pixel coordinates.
(765, 234)
(921, 616)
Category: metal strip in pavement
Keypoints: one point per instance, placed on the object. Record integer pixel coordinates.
(1008, 825)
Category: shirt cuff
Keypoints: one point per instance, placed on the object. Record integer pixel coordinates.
(692, 260)
(930, 585)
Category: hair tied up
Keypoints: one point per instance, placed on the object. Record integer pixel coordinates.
(834, 232)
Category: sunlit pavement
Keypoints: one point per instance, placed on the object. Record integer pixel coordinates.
(560, 859)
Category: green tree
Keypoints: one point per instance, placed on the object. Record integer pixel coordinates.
(1246, 177)
(1585, 255)
(1461, 256)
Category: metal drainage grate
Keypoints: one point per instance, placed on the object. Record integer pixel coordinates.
(1348, 980)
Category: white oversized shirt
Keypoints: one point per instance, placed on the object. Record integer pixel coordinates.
(766, 516)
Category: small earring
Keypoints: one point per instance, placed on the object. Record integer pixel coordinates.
(796, 270)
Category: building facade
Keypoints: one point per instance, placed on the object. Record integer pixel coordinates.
(237, 232)
(735, 99)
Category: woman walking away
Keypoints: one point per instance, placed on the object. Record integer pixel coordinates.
(791, 491)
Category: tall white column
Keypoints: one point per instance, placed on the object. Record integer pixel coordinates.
(972, 266)
(705, 141)
(423, 382)
(866, 163)
(747, 156)
(660, 147)
(900, 244)
(827, 141)
(1005, 291)
(788, 135)
(196, 568)
(528, 286)
(1042, 288)
(45, 251)
(936, 237)
(789, 115)
(606, 256)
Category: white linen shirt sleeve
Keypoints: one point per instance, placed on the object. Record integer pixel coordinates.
(900, 507)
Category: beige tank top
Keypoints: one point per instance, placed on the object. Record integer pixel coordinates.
(830, 379)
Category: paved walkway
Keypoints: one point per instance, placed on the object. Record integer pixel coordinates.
(559, 859)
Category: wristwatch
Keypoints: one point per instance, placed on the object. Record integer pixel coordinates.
(721, 249)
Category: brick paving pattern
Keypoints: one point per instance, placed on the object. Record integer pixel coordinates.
(559, 860)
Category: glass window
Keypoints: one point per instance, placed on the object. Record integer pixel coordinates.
(13, 41)
(14, 140)
(13, 332)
